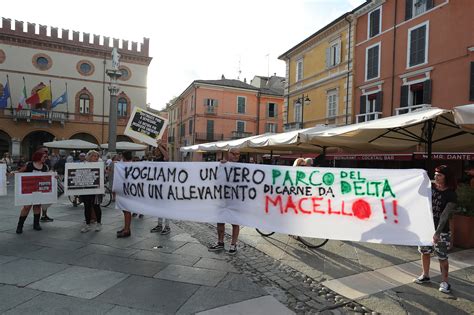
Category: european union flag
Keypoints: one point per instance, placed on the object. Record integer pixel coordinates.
(6, 95)
(60, 100)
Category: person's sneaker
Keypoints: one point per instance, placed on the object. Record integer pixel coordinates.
(140, 216)
(45, 218)
(444, 287)
(422, 279)
(98, 227)
(157, 229)
(86, 228)
(166, 230)
(232, 249)
(216, 247)
(134, 215)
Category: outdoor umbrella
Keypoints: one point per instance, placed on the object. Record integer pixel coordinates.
(72, 144)
(126, 146)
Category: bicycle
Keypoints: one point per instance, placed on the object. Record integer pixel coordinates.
(309, 242)
(106, 198)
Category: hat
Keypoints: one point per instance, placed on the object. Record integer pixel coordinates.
(443, 169)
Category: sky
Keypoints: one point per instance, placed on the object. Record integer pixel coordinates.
(193, 39)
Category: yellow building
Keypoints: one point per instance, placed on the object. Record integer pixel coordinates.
(319, 77)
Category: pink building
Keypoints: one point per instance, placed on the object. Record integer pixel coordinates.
(213, 110)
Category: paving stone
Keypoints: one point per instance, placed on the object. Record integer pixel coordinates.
(258, 306)
(214, 264)
(207, 298)
(22, 272)
(109, 250)
(5, 259)
(11, 296)
(122, 264)
(200, 251)
(56, 255)
(175, 259)
(79, 282)
(122, 310)
(165, 245)
(49, 303)
(191, 275)
(238, 282)
(149, 294)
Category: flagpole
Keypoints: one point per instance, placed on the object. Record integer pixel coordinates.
(67, 102)
(51, 95)
(10, 91)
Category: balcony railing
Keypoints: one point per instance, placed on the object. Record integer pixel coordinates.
(368, 116)
(205, 136)
(39, 115)
(210, 110)
(409, 109)
(240, 134)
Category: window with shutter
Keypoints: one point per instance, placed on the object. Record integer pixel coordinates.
(190, 127)
(418, 45)
(372, 62)
(408, 9)
(333, 54)
(332, 103)
(404, 96)
(299, 70)
(271, 110)
(240, 126)
(375, 22)
(240, 104)
(297, 112)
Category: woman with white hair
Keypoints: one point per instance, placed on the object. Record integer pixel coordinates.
(92, 202)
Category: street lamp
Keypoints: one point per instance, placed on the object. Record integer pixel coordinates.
(301, 101)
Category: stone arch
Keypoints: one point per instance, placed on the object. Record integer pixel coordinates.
(33, 140)
(85, 136)
(5, 142)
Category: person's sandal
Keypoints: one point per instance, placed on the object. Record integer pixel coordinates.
(157, 229)
(123, 234)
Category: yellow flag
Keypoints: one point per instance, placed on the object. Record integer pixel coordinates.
(44, 94)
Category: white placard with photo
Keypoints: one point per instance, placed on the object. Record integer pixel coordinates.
(3, 179)
(84, 178)
(35, 188)
(145, 126)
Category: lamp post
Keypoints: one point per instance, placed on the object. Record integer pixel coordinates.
(114, 74)
(302, 101)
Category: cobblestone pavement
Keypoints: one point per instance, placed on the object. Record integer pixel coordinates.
(300, 293)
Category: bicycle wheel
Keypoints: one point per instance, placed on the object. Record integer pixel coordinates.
(312, 242)
(74, 200)
(265, 233)
(106, 198)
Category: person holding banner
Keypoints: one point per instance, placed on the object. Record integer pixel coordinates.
(163, 226)
(37, 164)
(299, 162)
(444, 204)
(233, 156)
(92, 202)
(127, 215)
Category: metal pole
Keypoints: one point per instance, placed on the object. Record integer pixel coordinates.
(113, 89)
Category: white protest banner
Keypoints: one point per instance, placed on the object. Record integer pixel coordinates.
(35, 188)
(145, 126)
(84, 178)
(3, 179)
(372, 205)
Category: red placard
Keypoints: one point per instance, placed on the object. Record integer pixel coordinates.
(40, 183)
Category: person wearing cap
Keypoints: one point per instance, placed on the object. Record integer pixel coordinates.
(444, 204)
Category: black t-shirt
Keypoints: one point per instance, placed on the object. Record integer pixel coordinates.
(30, 168)
(439, 199)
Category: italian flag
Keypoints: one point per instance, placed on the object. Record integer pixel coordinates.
(22, 103)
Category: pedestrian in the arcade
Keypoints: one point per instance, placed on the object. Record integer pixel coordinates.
(444, 204)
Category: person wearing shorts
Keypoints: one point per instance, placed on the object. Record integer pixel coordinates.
(444, 204)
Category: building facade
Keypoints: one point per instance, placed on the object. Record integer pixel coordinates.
(213, 110)
(36, 56)
(412, 54)
(319, 77)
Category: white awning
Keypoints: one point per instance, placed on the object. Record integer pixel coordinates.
(72, 144)
(126, 146)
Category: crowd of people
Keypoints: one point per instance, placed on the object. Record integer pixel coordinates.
(443, 202)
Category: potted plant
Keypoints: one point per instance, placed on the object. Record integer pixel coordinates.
(463, 220)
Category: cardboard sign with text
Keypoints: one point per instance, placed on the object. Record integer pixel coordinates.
(145, 126)
(35, 188)
(84, 179)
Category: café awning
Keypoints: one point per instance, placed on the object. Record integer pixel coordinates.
(126, 146)
(72, 144)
